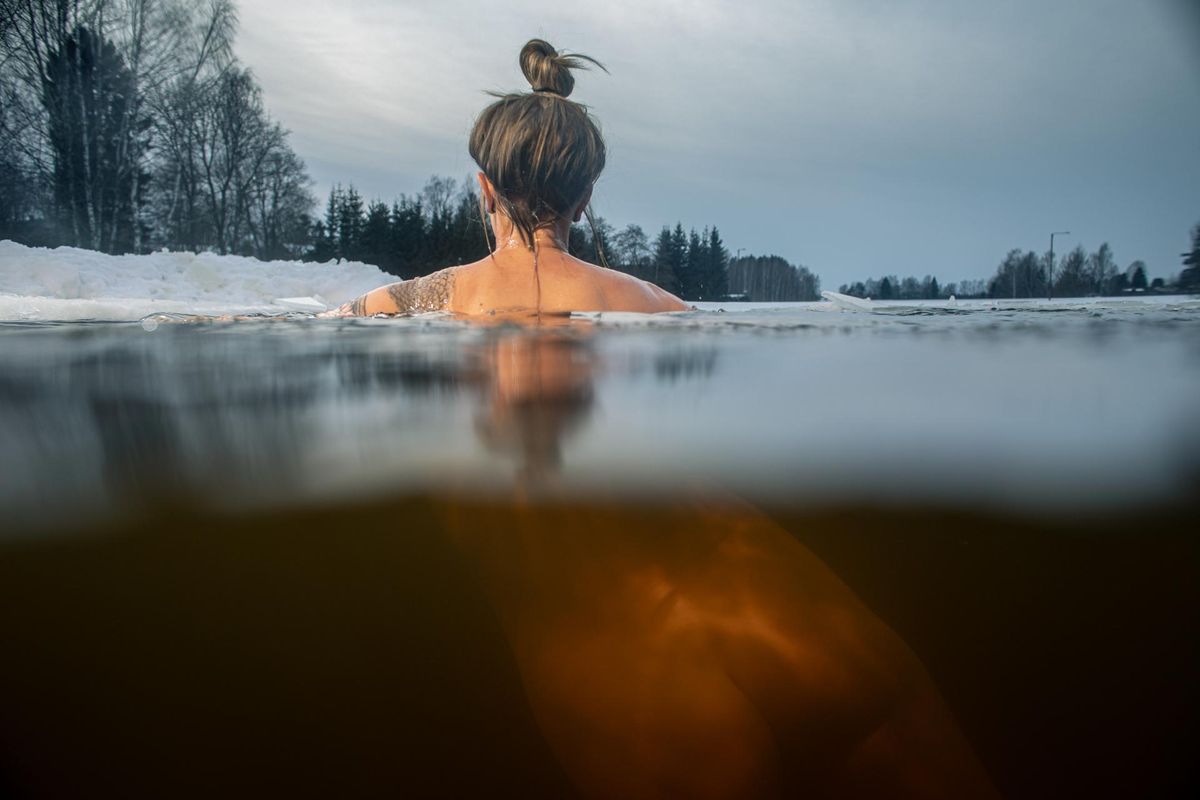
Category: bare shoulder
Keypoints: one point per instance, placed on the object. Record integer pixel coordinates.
(634, 294)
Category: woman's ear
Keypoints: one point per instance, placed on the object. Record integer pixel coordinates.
(487, 192)
(583, 204)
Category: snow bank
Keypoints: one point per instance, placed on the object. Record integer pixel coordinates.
(66, 283)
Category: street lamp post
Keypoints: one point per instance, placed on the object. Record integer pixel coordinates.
(1050, 278)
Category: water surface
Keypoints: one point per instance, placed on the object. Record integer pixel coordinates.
(1034, 409)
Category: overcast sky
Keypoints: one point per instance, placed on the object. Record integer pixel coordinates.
(858, 137)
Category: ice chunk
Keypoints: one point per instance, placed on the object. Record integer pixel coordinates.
(847, 303)
(301, 303)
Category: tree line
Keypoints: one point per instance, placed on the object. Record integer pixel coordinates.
(129, 125)
(416, 235)
(1026, 274)
(1189, 278)
(772, 279)
(442, 225)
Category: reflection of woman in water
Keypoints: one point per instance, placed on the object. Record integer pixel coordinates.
(539, 392)
(539, 155)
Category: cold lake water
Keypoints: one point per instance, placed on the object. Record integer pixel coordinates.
(1035, 409)
(362, 556)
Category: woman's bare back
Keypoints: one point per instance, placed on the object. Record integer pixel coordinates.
(561, 283)
(507, 283)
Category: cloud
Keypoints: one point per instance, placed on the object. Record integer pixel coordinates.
(799, 127)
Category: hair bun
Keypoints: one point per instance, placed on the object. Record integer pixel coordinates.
(546, 69)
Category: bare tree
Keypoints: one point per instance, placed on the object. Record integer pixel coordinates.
(152, 34)
(33, 32)
(436, 196)
(86, 79)
(204, 54)
(1102, 269)
(277, 211)
(633, 248)
(232, 139)
(138, 116)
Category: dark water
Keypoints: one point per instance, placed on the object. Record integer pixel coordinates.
(739, 555)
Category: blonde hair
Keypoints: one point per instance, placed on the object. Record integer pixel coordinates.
(540, 150)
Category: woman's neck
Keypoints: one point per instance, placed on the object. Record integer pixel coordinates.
(551, 237)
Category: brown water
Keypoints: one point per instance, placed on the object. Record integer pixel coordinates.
(423, 646)
(362, 560)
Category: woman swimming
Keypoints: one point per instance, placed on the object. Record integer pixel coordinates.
(539, 155)
(698, 651)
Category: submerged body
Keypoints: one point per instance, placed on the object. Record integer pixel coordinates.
(706, 653)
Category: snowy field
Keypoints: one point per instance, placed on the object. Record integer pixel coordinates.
(67, 284)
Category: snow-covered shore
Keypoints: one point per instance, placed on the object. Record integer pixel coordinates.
(67, 283)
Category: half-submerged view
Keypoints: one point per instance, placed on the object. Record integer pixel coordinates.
(472, 493)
